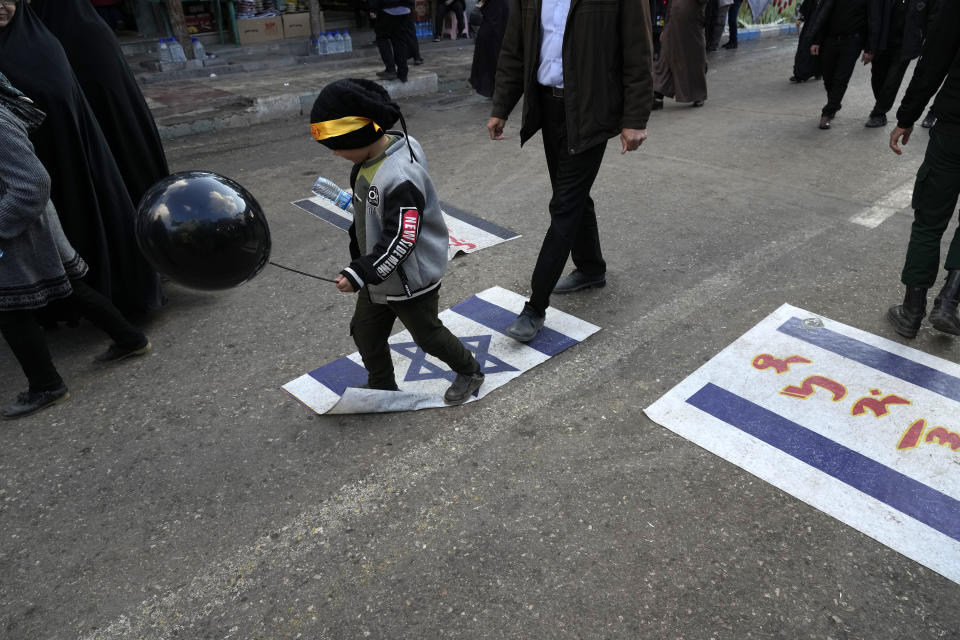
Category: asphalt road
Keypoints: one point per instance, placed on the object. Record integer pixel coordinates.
(184, 495)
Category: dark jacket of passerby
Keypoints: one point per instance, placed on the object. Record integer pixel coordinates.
(380, 5)
(918, 16)
(607, 81)
(843, 18)
(36, 261)
(939, 64)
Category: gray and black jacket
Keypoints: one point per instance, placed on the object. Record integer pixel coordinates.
(398, 239)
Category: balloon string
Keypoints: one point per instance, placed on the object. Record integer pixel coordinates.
(310, 275)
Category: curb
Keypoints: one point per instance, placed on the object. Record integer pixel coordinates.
(767, 31)
(285, 105)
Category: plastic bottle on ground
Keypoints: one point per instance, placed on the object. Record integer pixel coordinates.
(331, 191)
(347, 42)
(176, 50)
(163, 51)
(199, 53)
(338, 42)
(322, 43)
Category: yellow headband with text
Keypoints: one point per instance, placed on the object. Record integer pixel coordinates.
(339, 127)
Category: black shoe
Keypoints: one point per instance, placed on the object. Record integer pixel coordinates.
(907, 317)
(944, 315)
(418, 61)
(579, 280)
(929, 121)
(796, 80)
(115, 352)
(527, 325)
(31, 402)
(713, 48)
(387, 75)
(697, 103)
(436, 38)
(825, 122)
(730, 45)
(386, 387)
(465, 385)
(462, 36)
(402, 78)
(876, 121)
(657, 104)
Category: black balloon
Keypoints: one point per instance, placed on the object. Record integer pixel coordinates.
(203, 230)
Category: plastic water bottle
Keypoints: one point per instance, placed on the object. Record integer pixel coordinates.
(331, 191)
(322, 43)
(163, 51)
(338, 42)
(347, 42)
(176, 50)
(199, 53)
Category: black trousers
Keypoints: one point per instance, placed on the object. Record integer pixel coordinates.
(26, 338)
(573, 220)
(886, 75)
(393, 34)
(732, 18)
(458, 7)
(935, 197)
(838, 58)
(371, 326)
(413, 45)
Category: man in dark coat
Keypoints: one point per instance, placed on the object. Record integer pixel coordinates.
(839, 33)
(582, 90)
(394, 19)
(897, 39)
(937, 189)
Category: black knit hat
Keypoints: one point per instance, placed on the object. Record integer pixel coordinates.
(352, 113)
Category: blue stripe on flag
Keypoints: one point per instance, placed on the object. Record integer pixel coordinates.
(921, 375)
(548, 341)
(480, 223)
(915, 499)
(340, 374)
(313, 208)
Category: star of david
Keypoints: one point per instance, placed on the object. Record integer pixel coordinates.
(421, 369)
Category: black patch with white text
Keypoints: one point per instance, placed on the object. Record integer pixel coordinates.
(373, 196)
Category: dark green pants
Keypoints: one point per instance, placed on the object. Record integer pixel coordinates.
(371, 326)
(934, 201)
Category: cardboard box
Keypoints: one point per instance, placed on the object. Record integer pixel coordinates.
(296, 25)
(256, 30)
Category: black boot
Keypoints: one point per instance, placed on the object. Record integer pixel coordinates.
(906, 317)
(944, 315)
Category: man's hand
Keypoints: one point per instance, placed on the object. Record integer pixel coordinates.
(495, 127)
(631, 139)
(343, 284)
(814, 49)
(895, 137)
(867, 58)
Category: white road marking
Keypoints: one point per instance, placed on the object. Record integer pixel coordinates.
(894, 202)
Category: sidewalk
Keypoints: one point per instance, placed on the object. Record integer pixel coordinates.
(260, 84)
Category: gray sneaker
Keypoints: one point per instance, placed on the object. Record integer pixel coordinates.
(31, 402)
(578, 280)
(463, 387)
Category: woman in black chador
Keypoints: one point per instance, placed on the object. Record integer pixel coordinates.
(87, 189)
(111, 90)
(487, 47)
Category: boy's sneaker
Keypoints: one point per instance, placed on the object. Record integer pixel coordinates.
(115, 352)
(463, 387)
(31, 402)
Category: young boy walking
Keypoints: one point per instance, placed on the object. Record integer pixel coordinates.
(398, 239)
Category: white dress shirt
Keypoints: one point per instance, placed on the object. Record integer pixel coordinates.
(553, 17)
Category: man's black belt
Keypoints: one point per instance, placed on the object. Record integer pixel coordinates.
(552, 92)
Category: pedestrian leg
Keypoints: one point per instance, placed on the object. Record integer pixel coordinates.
(885, 87)
(29, 346)
(839, 60)
(97, 309)
(420, 318)
(935, 198)
(384, 45)
(571, 177)
(370, 328)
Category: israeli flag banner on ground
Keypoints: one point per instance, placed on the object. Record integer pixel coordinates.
(480, 322)
(468, 233)
(862, 428)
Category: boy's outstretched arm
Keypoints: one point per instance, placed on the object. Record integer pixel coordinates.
(402, 211)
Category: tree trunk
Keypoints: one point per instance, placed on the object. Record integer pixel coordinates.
(178, 24)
